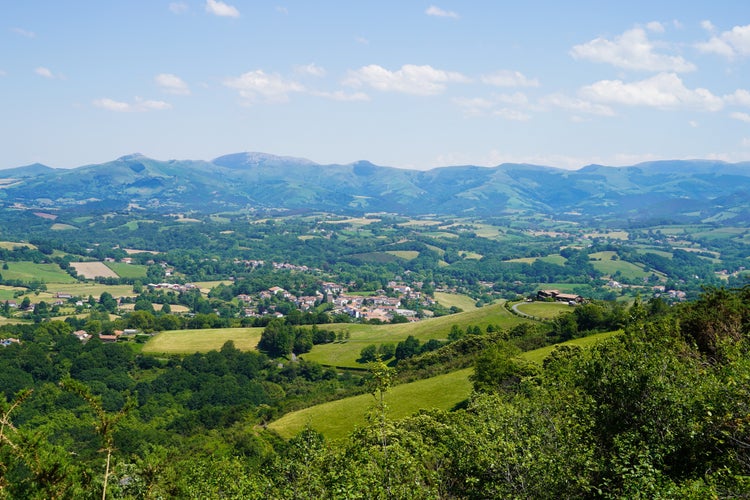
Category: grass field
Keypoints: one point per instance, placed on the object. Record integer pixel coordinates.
(93, 289)
(345, 354)
(602, 262)
(7, 292)
(191, 341)
(404, 254)
(336, 419)
(29, 271)
(543, 309)
(449, 300)
(57, 226)
(123, 270)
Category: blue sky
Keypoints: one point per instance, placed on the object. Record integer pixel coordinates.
(400, 83)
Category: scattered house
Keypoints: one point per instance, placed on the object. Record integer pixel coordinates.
(556, 295)
(61, 295)
(82, 335)
(7, 342)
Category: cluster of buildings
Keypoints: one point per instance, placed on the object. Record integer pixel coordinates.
(382, 306)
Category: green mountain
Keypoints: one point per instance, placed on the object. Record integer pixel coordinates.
(696, 190)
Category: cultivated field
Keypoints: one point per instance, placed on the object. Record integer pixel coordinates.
(91, 270)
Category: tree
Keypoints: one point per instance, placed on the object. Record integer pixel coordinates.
(277, 339)
(108, 302)
(368, 354)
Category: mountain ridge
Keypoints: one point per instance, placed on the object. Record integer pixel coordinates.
(253, 180)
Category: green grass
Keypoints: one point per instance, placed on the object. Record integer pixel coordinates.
(345, 354)
(602, 262)
(336, 419)
(123, 270)
(10, 245)
(192, 341)
(61, 227)
(29, 271)
(543, 309)
(449, 300)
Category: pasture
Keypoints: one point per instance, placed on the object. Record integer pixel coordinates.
(192, 341)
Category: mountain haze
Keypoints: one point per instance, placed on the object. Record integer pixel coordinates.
(684, 190)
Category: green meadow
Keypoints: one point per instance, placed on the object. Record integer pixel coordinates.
(192, 341)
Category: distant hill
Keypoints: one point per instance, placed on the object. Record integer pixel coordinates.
(696, 190)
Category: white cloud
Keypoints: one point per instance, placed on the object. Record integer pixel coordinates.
(655, 26)
(743, 117)
(729, 44)
(745, 142)
(3, 73)
(693, 124)
(178, 7)
(311, 69)
(47, 73)
(410, 79)
(340, 95)
(362, 40)
(663, 91)
(496, 106)
(282, 10)
(172, 84)
(221, 9)
(631, 51)
(512, 114)
(139, 105)
(740, 97)
(438, 12)
(24, 33)
(507, 78)
(271, 87)
(708, 26)
(575, 104)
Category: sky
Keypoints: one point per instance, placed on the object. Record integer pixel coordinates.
(407, 84)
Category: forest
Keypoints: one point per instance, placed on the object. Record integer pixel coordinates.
(657, 408)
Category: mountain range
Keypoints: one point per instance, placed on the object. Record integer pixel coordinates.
(679, 190)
